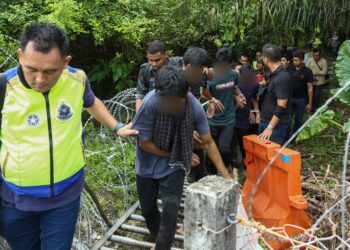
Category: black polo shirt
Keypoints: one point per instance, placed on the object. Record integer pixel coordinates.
(279, 86)
(300, 78)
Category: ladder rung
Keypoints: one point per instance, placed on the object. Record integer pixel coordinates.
(141, 230)
(136, 243)
(140, 218)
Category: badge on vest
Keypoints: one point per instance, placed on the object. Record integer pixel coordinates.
(64, 112)
(33, 120)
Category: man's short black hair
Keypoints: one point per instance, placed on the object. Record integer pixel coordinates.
(287, 56)
(272, 52)
(316, 50)
(309, 46)
(155, 47)
(45, 37)
(235, 64)
(299, 54)
(170, 81)
(244, 55)
(197, 57)
(224, 55)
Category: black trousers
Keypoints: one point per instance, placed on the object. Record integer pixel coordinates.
(240, 133)
(317, 96)
(161, 225)
(222, 136)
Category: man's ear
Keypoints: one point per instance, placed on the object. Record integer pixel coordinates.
(67, 60)
(20, 54)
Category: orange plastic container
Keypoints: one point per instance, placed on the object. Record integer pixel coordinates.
(278, 200)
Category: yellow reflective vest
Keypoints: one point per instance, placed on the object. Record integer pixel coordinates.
(41, 135)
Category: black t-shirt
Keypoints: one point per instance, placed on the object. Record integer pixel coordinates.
(279, 87)
(300, 78)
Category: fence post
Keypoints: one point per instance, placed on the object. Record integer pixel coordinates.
(207, 206)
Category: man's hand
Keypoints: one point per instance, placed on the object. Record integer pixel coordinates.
(241, 102)
(252, 118)
(257, 118)
(308, 108)
(195, 160)
(127, 131)
(266, 134)
(219, 107)
(211, 110)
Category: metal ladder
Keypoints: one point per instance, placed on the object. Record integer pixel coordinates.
(128, 231)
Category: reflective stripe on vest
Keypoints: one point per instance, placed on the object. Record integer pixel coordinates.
(42, 151)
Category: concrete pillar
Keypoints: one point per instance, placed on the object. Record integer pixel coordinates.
(207, 204)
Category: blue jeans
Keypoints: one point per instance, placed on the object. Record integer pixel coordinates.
(298, 111)
(46, 230)
(279, 133)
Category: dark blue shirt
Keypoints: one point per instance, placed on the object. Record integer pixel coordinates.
(28, 203)
(153, 166)
(242, 115)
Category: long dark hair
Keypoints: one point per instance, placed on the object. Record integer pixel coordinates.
(247, 75)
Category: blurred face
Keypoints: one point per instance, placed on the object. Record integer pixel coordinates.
(172, 105)
(193, 75)
(284, 62)
(316, 56)
(42, 70)
(222, 68)
(157, 60)
(244, 60)
(298, 62)
(258, 54)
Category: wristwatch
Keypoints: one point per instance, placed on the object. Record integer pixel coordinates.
(269, 127)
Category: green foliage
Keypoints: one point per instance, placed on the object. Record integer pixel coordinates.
(108, 37)
(343, 63)
(316, 126)
(68, 14)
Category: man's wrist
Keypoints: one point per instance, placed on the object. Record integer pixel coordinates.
(270, 127)
(212, 100)
(118, 127)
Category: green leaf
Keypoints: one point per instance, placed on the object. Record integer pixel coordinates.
(343, 63)
(344, 96)
(346, 127)
(316, 126)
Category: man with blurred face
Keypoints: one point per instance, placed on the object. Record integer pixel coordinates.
(166, 121)
(224, 86)
(41, 135)
(302, 80)
(319, 68)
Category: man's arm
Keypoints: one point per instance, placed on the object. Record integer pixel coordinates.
(310, 92)
(150, 147)
(281, 104)
(214, 154)
(256, 110)
(138, 104)
(141, 87)
(99, 111)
